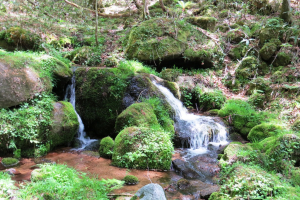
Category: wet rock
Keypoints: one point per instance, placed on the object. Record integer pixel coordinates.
(183, 184)
(150, 192)
(205, 193)
(206, 165)
(94, 146)
(183, 168)
(12, 171)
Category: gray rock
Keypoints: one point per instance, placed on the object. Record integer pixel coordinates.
(183, 168)
(151, 191)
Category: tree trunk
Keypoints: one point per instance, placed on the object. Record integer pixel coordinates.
(137, 4)
(146, 10)
(96, 29)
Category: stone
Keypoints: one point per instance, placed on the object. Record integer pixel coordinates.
(150, 192)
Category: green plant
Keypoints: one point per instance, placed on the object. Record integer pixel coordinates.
(130, 180)
(17, 153)
(7, 186)
(184, 5)
(61, 182)
(210, 100)
(9, 161)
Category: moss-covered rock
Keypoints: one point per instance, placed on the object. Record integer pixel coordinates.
(236, 53)
(224, 13)
(170, 74)
(266, 34)
(138, 114)
(207, 23)
(235, 36)
(64, 124)
(21, 82)
(210, 100)
(262, 131)
(16, 37)
(257, 99)
(85, 55)
(144, 148)
(268, 50)
(247, 69)
(233, 150)
(99, 95)
(131, 180)
(259, 84)
(9, 162)
(241, 115)
(174, 88)
(282, 59)
(106, 147)
(163, 40)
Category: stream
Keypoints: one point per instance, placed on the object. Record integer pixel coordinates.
(197, 164)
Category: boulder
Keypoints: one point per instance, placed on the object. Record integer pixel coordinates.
(235, 36)
(144, 148)
(150, 192)
(138, 114)
(268, 50)
(164, 41)
(106, 146)
(24, 74)
(64, 124)
(207, 23)
(262, 131)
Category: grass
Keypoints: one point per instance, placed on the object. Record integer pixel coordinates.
(62, 182)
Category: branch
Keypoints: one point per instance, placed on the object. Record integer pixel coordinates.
(101, 14)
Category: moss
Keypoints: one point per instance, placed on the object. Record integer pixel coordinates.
(257, 99)
(144, 148)
(138, 114)
(170, 74)
(262, 131)
(106, 147)
(207, 23)
(211, 100)
(268, 50)
(282, 59)
(296, 124)
(9, 161)
(224, 13)
(236, 53)
(86, 55)
(247, 69)
(131, 180)
(65, 124)
(233, 149)
(235, 36)
(259, 84)
(241, 115)
(20, 38)
(173, 87)
(267, 34)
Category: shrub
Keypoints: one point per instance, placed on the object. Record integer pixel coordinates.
(210, 100)
(106, 147)
(131, 180)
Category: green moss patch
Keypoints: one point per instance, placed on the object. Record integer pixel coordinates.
(262, 131)
(131, 180)
(106, 147)
(143, 148)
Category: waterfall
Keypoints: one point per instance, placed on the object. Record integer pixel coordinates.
(83, 139)
(200, 131)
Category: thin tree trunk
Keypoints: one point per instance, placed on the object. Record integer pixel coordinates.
(146, 10)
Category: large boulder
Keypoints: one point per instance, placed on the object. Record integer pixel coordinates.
(22, 75)
(262, 131)
(165, 40)
(16, 37)
(138, 114)
(150, 192)
(102, 94)
(64, 124)
(144, 148)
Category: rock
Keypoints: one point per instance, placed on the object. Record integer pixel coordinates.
(206, 165)
(157, 41)
(232, 150)
(9, 162)
(207, 23)
(268, 50)
(208, 100)
(282, 59)
(182, 167)
(296, 124)
(262, 131)
(64, 124)
(89, 56)
(12, 171)
(235, 36)
(138, 114)
(94, 146)
(144, 148)
(22, 76)
(205, 193)
(183, 184)
(18, 38)
(106, 146)
(19, 85)
(150, 192)
(266, 34)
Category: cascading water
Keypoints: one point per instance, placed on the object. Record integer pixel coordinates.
(84, 140)
(200, 131)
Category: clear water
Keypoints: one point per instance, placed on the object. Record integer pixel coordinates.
(200, 131)
(83, 139)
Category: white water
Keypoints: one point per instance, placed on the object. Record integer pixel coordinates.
(199, 130)
(84, 140)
